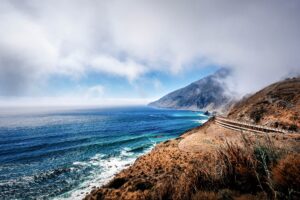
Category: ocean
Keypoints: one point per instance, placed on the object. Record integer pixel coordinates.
(65, 153)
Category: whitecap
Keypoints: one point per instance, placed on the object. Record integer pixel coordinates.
(201, 115)
(126, 153)
(200, 121)
(80, 163)
(103, 170)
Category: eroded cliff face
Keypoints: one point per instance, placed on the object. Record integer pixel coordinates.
(207, 94)
(277, 105)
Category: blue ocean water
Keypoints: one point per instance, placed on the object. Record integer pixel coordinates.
(64, 154)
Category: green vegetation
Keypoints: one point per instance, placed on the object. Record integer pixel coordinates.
(257, 114)
(293, 127)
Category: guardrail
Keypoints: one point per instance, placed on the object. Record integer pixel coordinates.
(237, 125)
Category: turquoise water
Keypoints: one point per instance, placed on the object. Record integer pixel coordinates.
(65, 153)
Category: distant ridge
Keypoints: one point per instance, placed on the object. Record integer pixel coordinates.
(206, 94)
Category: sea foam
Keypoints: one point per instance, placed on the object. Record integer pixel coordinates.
(104, 170)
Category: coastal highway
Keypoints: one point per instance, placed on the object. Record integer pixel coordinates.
(246, 127)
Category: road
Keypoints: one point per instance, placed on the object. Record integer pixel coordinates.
(247, 127)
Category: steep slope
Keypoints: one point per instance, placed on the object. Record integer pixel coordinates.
(277, 105)
(205, 94)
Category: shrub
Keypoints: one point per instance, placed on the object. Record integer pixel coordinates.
(249, 167)
(286, 173)
(240, 166)
(116, 183)
(293, 127)
(144, 185)
(257, 114)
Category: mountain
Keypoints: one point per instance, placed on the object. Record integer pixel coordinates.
(277, 105)
(207, 94)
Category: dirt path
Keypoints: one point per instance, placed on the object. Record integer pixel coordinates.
(211, 136)
(244, 126)
(208, 138)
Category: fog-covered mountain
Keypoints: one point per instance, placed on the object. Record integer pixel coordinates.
(207, 94)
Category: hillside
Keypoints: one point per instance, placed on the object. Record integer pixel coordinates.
(221, 162)
(207, 94)
(211, 162)
(277, 105)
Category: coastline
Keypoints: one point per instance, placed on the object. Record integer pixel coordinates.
(99, 181)
(74, 194)
(169, 146)
(190, 165)
(166, 143)
(85, 148)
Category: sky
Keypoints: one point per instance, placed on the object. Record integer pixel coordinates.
(127, 52)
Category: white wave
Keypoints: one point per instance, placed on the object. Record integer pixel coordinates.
(126, 152)
(80, 163)
(200, 121)
(201, 115)
(104, 170)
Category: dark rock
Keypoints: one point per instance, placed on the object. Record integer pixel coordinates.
(206, 113)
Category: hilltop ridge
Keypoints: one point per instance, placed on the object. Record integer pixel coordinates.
(207, 94)
(277, 105)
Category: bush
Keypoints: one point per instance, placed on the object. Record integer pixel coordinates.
(293, 127)
(249, 167)
(286, 173)
(116, 183)
(240, 166)
(257, 114)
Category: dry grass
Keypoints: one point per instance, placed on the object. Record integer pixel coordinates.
(247, 169)
(259, 170)
(277, 105)
(286, 174)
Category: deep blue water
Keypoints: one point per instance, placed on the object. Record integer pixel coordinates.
(64, 154)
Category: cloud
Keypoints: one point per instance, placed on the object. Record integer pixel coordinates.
(95, 91)
(80, 97)
(128, 68)
(259, 40)
(71, 101)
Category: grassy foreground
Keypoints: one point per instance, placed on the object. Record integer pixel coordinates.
(252, 167)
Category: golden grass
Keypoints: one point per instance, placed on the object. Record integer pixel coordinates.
(286, 174)
(258, 169)
(245, 169)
